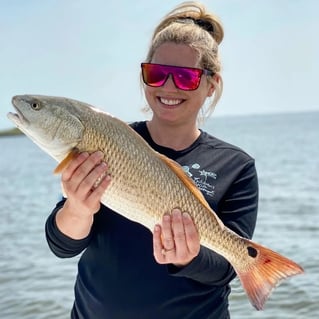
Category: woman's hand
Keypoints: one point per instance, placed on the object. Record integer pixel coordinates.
(79, 183)
(176, 241)
(84, 181)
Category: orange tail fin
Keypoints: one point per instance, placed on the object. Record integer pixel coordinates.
(264, 272)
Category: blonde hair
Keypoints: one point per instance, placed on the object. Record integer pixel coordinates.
(191, 24)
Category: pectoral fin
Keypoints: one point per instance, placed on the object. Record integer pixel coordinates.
(64, 163)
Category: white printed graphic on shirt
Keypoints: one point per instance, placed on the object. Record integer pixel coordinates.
(203, 179)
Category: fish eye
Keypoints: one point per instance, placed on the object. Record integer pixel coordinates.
(35, 106)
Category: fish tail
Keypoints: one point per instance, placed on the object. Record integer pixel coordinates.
(265, 270)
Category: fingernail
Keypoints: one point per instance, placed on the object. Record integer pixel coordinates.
(103, 165)
(98, 155)
(186, 215)
(176, 212)
(84, 155)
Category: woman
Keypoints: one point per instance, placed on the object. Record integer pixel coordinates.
(125, 271)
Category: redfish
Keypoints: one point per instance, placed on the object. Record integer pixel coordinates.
(145, 184)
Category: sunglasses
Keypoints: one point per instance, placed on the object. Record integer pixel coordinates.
(187, 79)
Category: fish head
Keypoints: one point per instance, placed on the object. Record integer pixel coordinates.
(49, 122)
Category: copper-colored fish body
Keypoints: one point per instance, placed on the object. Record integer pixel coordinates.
(145, 184)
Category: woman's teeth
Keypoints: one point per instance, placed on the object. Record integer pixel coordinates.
(170, 101)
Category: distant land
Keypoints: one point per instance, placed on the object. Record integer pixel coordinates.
(11, 132)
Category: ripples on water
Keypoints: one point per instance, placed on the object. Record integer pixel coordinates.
(34, 284)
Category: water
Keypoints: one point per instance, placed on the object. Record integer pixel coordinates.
(34, 284)
(286, 149)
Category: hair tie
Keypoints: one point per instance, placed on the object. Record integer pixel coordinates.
(201, 23)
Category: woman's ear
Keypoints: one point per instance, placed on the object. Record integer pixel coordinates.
(211, 85)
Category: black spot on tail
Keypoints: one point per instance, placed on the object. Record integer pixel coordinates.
(252, 252)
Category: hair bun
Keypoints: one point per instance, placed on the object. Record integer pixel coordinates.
(206, 25)
(198, 14)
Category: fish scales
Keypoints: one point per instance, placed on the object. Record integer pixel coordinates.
(145, 184)
(139, 188)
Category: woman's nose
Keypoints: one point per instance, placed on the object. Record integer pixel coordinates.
(169, 83)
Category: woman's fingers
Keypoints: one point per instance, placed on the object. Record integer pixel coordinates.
(176, 240)
(83, 172)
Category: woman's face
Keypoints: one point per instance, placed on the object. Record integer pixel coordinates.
(169, 103)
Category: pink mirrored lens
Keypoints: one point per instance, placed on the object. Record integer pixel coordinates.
(184, 78)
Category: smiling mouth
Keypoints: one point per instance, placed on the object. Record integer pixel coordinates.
(170, 102)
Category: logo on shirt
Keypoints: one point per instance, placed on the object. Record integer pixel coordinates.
(203, 179)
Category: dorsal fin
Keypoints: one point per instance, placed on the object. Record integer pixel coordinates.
(65, 162)
(189, 183)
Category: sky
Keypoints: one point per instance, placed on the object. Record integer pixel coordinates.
(91, 50)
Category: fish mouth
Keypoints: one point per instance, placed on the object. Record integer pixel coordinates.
(17, 118)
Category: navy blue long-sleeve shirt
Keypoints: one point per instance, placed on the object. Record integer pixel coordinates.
(118, 276)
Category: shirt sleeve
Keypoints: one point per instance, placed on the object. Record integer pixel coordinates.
(238, 211)
(60, 244)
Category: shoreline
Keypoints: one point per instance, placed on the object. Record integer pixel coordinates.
(11, 132)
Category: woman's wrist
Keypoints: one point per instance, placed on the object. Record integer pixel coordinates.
(73, 225)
